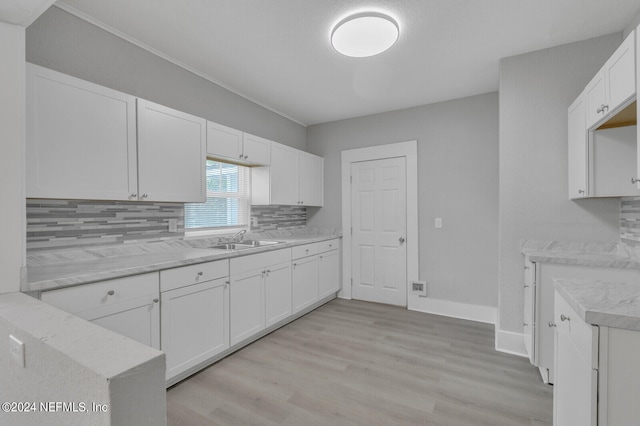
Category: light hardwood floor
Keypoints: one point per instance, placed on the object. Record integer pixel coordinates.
(359, 363)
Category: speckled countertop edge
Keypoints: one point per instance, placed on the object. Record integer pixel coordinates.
(611, 304)
(66, 268)
(605, 255)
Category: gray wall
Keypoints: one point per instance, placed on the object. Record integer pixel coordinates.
(65, 43)
(458, 181)
(535, 90)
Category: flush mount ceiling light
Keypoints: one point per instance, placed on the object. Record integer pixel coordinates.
(364, 34)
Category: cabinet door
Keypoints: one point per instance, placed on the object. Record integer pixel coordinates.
(328, 273)
(277, 293)
(256, 150)
(575, 389)
(578, 142)
(529, 324)
(246, 305)
(195, 324)
(223, 141)
(620, 72)
(284, 175)
(305, 282)
(137, 319)
(596, 98)
(171, 154)
(311, 175)
(80, 139)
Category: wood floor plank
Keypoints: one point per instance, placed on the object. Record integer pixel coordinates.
(353, 363)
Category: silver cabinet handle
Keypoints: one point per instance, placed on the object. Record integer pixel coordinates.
(526, 286)
(634, 180)
(200, 273)
(111, 292)
(580, 191)
(156, 300)
(133, 195)
(401, 240)
(525, 324)
(602, 108)
(145, 195)
(551, 324)
(240, 156)
(563, 317)
(246, 157)
(526, 267)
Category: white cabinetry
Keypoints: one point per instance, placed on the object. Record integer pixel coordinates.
(81, 139)
(260, 292)
(328, 269)
(195, 314)
(543, 305)
(294, 178)
(128, 306)
(597, 371)
(85, 141)
(578, 159)
(315, 272)
(529, 319)
(305, 282)
(235, 146)
(171, 154)
(614, 84)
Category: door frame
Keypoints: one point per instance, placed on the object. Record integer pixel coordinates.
(408, 150)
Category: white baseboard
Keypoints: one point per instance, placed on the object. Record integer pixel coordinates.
(511, 343)
(448, 308)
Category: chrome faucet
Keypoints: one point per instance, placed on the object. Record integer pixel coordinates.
(238, 237)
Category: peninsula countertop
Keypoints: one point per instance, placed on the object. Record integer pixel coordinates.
(604, 255)
(611, 304)
(65, 268)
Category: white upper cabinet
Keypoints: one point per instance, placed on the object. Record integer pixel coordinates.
(578, 149)
(81, 139)
(294, 178)
(86, 141)
(614, 84)
(171, 154)
(235, 146)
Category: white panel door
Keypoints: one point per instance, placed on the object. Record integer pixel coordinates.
(278, 292)
(171, 154)
(195, 324)
(246, 305)
(379, 256)
(80, 139)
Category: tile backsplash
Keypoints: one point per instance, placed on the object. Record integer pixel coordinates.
(630, 223)
(58, 224)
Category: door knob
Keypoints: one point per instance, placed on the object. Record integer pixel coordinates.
(401, 240)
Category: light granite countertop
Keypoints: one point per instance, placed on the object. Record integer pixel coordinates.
(604, 255)
(48, 270)
(611, 304)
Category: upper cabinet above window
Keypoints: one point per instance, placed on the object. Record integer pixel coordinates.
(231, 145)
(85, 141)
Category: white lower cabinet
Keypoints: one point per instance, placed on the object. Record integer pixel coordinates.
(328, 273)
(195, 314)
(260, 292)
(128, 306)
(315, 272)
(597, 372)
(305, 282)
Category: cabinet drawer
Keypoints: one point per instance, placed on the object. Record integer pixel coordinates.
(584, 336)
(298, 252)
(259, 260)
(328, 245)
(192, 274)
(105, 293)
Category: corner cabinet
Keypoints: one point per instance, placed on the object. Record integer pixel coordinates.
(128, 306)
(228, 144)
(171, 154)
(294, 178)
(85, 141)
(602, 130)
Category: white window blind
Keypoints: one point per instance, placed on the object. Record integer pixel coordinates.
(227, 204)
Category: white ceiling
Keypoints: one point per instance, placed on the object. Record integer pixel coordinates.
(277, 52)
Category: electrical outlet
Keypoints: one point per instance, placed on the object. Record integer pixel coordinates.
(173, 225)
(438, 223)
(16, 347)
(419, 288)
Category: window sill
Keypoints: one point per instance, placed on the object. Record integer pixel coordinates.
(212, 233)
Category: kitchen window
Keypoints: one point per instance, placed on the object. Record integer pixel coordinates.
(228, 200)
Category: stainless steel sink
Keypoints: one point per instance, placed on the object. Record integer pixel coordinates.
(246, 244)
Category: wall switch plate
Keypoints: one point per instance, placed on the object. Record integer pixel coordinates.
(173, 225)
(419, 288)
(16, 347)
(438, 223)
